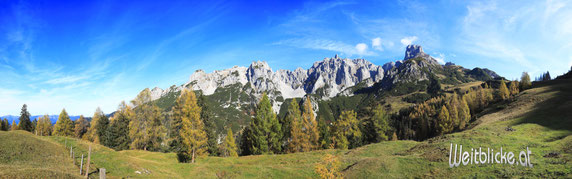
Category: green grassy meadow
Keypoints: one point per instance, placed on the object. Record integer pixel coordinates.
(538, 118)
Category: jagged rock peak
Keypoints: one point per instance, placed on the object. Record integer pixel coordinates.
(414, 51)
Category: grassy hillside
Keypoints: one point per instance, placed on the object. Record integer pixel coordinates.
(537, 118)
(25, 155)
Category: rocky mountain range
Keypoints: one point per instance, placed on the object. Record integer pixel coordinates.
(327, 78)
(233, 93)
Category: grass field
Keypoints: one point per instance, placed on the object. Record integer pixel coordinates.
(539, 118)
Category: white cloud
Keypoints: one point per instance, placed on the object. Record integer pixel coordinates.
(440, 58)
(361, 48)
(376, 44)
(324, 44)
(408, 40)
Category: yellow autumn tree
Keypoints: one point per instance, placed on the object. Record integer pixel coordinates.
(64, 125)
(44, 126)
(192, 133)
(346, 128)
(296, 134)
(503, 91)
(309, 127)
(329, 167)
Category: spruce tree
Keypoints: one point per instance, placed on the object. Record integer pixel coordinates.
(229, 145)
(119, 128)
(193, 135)
(210, 127)
(6, 125)
(325, 134)
(64, 125)
(25, 123)
(265, 129)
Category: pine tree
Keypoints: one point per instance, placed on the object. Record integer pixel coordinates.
(194, 137)
(25, 123)
(119, 127)
(346, 128)
(310, 127)
(210, 127)
(380, 121)
(444, 123)
(503, 91)
(295, 127)
(145, 129)
(6, 125)
(525, 81)
(229, 145)
(64, 125)
(80, 127)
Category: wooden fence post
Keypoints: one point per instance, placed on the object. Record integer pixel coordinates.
(88, 160)
(81, 165)
(102, 173)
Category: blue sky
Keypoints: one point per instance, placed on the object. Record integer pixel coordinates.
(81, 55)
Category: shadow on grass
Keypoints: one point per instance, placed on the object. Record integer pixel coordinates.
(556, 111)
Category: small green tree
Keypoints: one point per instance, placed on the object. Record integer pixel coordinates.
(118, 134)
(380, 121)
(64, 125)
(265, 130)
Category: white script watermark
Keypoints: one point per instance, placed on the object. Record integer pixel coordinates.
(487, 156)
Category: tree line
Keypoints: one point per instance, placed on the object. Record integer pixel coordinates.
(188, 129)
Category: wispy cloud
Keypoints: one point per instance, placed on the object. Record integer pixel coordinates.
(330, 45)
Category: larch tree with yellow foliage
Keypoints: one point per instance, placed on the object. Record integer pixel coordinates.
(193, 135)
(64, 126)
(295, 127)
(503, 93)
(309, 127)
